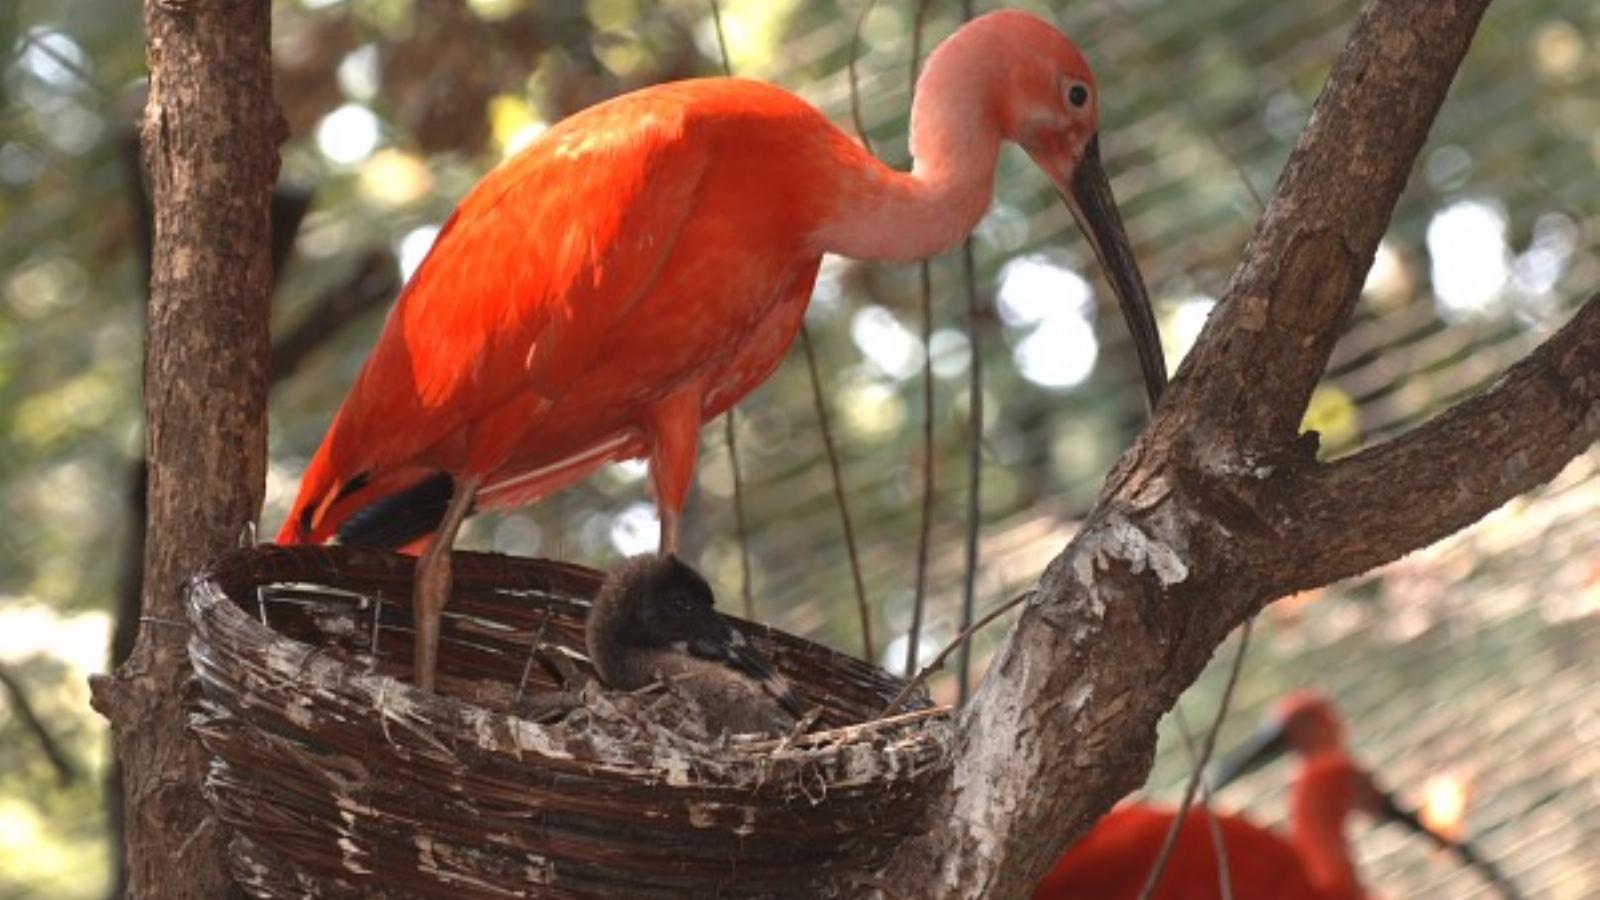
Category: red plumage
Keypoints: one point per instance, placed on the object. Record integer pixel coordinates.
(552, 328)
(1112, 861)
(647, 262)
(1313, 861)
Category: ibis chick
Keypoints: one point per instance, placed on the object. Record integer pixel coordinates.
(653, 620)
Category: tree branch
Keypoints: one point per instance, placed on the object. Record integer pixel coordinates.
(1344, 518)
(1186, 540)
(1304, 265)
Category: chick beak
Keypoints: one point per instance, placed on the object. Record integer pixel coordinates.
(1088, 195)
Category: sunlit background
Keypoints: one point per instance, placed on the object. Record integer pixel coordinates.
(1467, 671)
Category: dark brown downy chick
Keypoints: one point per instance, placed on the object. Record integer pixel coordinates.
(653, 619)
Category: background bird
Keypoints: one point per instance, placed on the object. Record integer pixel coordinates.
(653, 620)
(647, 262)
(1313, 861)
(1114, 860)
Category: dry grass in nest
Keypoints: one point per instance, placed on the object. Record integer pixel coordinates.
(521, 778)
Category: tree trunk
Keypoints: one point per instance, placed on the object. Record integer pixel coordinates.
(211, 136)
(1221, 506)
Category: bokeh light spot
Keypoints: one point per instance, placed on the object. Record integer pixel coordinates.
(349, 134)
(1467, 247)
(636, 530)
(414, 248)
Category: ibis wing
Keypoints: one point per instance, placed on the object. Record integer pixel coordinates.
(546, 255)
(515, 299)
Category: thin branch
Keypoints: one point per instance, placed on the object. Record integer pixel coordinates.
(1219, 844)
(850, 67)
(728, 425)
(722, 39)
(969, 578)
(816, 378)
(31, 38)
(969, 575)
(919, 597)
(60, 760)
(745, 593)
(961, 640)
(925, 524)
(838, 494)
(1170, 843)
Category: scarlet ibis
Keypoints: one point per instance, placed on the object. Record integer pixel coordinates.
(647, 262)
(1312, 862)
(653, 618)
(1113, 860)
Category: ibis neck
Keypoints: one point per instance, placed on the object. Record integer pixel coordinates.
(1317, 832)
(955, 145)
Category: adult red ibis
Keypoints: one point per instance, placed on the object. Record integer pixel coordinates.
(1312, 862)
(647, 262)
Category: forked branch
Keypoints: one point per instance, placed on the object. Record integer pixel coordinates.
(1221, 506)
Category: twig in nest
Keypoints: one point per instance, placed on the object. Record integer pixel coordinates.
(802, 726)
(533, 652)
(550, 706)
(558, 664)
(377, 622)
(846, 733)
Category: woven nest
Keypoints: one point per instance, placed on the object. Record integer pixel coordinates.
(520, 778)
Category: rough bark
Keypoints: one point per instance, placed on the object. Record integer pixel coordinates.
(1221, 505)
(211, 134)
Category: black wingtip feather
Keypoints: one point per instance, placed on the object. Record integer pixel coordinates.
(400, 518)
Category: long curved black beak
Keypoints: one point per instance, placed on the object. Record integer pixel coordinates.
(1269, 742)
(1095, 209)
(1390, 810)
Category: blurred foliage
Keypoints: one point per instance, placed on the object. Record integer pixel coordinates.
(397, 106)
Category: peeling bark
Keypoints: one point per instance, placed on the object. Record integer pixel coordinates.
(211, 136)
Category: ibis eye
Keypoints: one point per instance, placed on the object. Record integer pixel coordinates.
(1078, 95)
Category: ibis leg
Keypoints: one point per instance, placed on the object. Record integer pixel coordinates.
(675, 422)
(669, 529)
(432, 588)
